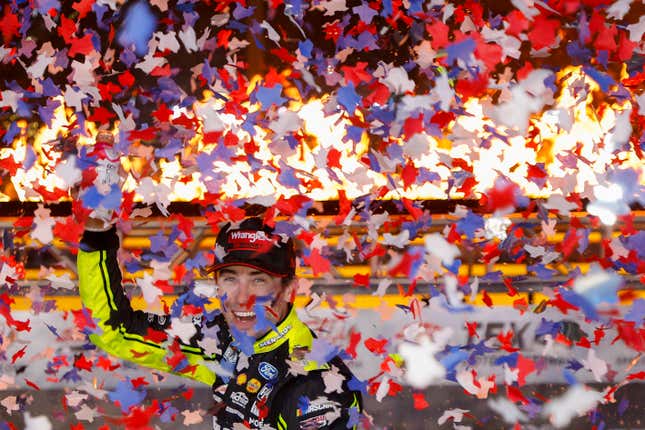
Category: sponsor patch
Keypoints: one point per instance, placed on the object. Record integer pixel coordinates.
(276, 338)
(319, 421)
(268, 371)
(253, 386)
(241, 379)
(250, 240)
(230, 355)
(315, 407)
(239, 398)
(234, 411)
(264, 392)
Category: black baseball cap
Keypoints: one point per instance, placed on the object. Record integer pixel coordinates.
(252, 243)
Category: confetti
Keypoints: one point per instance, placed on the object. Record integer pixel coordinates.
(533, 113)
(576, 401)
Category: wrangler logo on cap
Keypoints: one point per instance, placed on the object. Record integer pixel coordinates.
(256, 240)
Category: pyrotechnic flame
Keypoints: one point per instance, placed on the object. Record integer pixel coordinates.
(571, 126)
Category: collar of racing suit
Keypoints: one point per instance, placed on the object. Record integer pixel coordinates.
(291, 330)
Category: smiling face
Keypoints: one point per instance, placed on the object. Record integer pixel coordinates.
(245, 291)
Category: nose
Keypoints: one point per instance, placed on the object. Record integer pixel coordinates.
(241, 294)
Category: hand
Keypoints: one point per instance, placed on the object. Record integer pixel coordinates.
(107, 181)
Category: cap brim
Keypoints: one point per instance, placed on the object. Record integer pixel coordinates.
(217, 267)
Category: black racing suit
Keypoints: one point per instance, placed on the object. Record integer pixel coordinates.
(269, 384)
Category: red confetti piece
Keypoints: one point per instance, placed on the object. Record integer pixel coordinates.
(486, 298)
(82, 363)
(18, 354)
(317, 262)
(472, 329)
(9, 25)
(419, 401)
(376, 346)
(32, 384)
(515, 395)
(354, 340)
(362, 280)
(543, 32)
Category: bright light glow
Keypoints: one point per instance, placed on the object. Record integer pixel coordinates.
(495, 227)
(574, 142)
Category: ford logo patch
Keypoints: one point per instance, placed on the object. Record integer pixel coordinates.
(268, 371)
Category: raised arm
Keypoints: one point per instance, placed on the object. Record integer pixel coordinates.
(124, 332)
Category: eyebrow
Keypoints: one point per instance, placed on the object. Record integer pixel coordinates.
(233, 272)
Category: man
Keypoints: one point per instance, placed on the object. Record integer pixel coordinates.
(253, 352)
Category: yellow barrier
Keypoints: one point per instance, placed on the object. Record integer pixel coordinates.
(348, 272)
(349, 300)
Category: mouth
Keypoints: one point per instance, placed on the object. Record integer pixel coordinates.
(244, 316)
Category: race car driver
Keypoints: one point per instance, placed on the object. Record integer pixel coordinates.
(253, 351)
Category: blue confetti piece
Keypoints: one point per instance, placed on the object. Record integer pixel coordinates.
(547, 327)
(138, 26)
(348, 98)
(112, 200)
(168, 151)
(580, 301)
(426, 175)
(454, 267)
(578, 53)
(354, 417)
(510, 360)
(602, 79)
(71, 376)
(91, 198)
(365, 12)
(542, 272)
(205, 162)
(461, 50)
(287, 176)
(305, 48)
(365, 42)
(387, 8)
(303, 404)
(126, 395)
(270, 96)
(45, 6)
(242, 341)
(469, 224)
(239, 26)
(223, 153)
(569, 377)
(169, 413)
(30, 157)
(453, 358)
(11, 133)
(132, 266)
(46, 112)
(196, 262)
(574, 365)
(49, 88)
(51, 328)
(240, 12)
(622, 406)
(636, 312)
(353, 133)
(356, 384)
(262, 323)
(322, 351)
(374, 164)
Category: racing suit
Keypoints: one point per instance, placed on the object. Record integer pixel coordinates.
(271, 386)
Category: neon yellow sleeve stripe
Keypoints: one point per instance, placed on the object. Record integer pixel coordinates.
(282, 424)
(96, 295)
